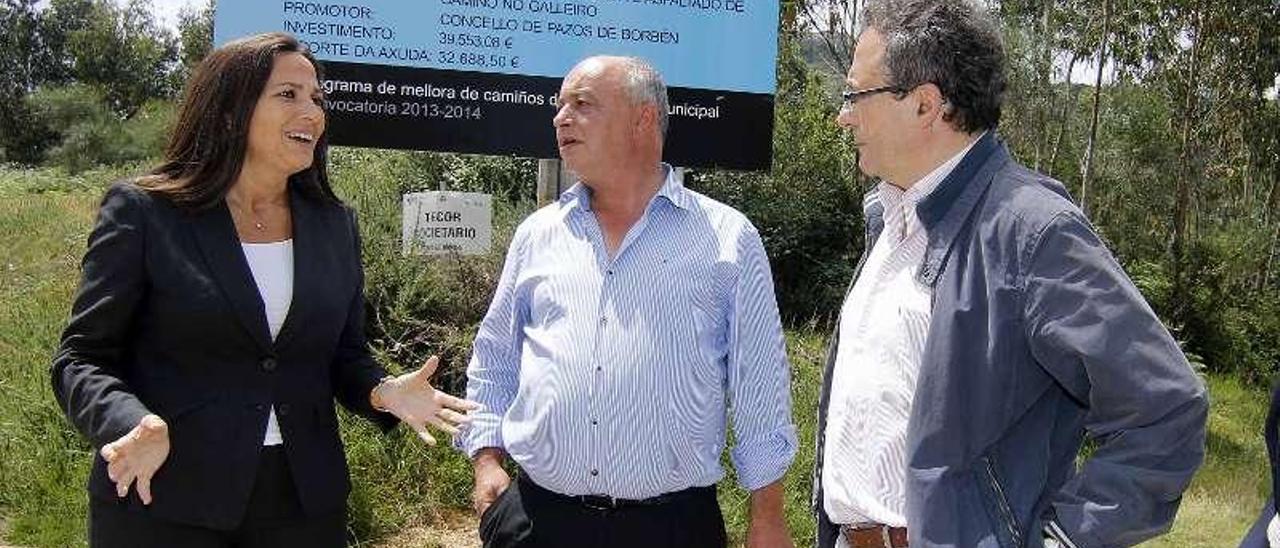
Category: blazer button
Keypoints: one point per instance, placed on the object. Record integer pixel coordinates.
(268, 364)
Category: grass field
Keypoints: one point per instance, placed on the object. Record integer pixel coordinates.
(408, 495)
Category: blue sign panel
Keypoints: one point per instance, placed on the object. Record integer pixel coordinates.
(475, 68)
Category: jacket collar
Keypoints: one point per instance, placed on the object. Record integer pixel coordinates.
(944, 211)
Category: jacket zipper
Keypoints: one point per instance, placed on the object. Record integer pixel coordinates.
(1002, 502)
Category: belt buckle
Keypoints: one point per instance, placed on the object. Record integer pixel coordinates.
(884, 536)
(590, 503)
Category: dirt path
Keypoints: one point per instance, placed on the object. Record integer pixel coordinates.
(454, 529)
(4, 531)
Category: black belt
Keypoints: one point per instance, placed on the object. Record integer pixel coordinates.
(605, 502)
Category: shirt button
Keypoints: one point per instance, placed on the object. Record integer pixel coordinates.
(268, 364)
(593, 422)
(598, 368)
(604, 321)
(609, 272)
(595, 472)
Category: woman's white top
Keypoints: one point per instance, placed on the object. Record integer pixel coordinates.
(272, 267)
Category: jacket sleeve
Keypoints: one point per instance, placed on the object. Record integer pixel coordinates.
(86, 373)
(354, 371)
(1091, 329)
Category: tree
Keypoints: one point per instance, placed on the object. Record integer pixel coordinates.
(1087, 171)
(827, 28)
(117, 49)
(20, 46)
(123, 50)
(195, 32)
(1064, 117)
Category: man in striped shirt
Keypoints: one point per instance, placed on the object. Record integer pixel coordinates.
(632, 319)
(988, 330)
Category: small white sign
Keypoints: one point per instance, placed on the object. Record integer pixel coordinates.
(447, 222)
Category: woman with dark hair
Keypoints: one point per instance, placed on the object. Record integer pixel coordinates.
(219, 314)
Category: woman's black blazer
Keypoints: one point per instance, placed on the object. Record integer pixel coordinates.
(168, 320)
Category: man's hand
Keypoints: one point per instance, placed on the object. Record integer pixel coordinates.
(491, 479)
(137, 455)
(768, 527)
(412, 399)
(772, 535)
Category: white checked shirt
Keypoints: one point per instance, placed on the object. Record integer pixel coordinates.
(883, 326)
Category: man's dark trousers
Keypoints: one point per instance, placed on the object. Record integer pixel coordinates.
(528, 516)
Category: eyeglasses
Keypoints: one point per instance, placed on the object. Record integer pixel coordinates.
(852, 96)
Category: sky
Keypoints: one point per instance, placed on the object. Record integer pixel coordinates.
(166, 10)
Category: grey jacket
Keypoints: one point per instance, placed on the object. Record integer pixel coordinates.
(1037, 338)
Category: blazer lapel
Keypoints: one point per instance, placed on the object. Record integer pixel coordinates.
(308, 230)
(215, 233)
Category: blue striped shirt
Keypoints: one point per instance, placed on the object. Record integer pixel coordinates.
(616, 377)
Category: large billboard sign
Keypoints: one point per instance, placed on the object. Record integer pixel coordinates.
(481, 76)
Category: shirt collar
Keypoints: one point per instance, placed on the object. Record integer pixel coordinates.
(672, 189)
(896, 197)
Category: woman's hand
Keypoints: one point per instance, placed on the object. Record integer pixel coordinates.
(137, 455)
(412, 399)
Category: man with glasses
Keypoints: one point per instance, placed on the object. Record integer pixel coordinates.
(988, 329)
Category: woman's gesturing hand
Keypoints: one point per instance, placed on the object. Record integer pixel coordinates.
(412, 399)
(137, 455)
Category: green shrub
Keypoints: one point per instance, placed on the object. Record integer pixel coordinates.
(23, 140)
(418, 306)
(1233, 324)
(1230, 325)
(147, 131)
(424, 305)
(89, 134)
